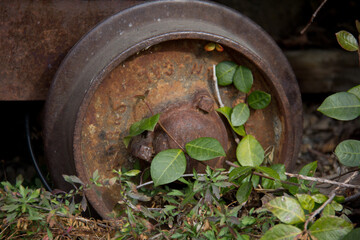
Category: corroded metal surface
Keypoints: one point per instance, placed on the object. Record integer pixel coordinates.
(150, 48)
(184, 121)
(36, 36)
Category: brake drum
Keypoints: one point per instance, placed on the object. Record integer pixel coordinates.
(157, 49)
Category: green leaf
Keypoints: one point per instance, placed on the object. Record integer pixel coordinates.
(146, 124)
(240, 114)
(167, 166)
(49, 234)
(306, 201)
(9, 208)
(330, 228)
(308, 170)
(281, 232)
(225, 72)
(226, 111)
(271, 184)
(249, 152)
(239, 172)
(243, 193)
(328, 211)
(72, 179)
(268, 171)
(341, 106)
(355, 90)
(319, 198)
(132, 173)
(348, 153)
(204, 148)
(347, 41)
(243, 79)
(353, 235)
(339, 199)
(259, 99)
(337, 206)
(287, 209)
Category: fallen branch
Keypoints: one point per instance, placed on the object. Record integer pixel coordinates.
(313, 179)
(331, 197)
(322, 180)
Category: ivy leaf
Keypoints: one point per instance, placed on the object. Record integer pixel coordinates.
(243, 79)
(355, 90)
(306, 201)
(243, 193)
(146, 124)
(167, 166)
(225, 72)
(341, 106)
(348, 153)
(282, 231)
(239, 172)
(287, 209)
(347, 41)
(249, 152)
(330, 228)
(259, 99)
(204, 148)
(226, 111)
(240, 114)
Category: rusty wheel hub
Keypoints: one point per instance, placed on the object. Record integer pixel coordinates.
(184, 122)
(159, 47)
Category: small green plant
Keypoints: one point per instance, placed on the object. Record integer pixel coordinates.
(29, 213)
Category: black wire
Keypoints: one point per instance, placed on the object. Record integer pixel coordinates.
(27, 130)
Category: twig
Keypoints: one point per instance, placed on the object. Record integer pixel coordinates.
(313, 179)
(184, 175)
(221, 104)
(262, 175)
(313, 17)
(331, 197)
(156, 236)
(81, 219)
(322, 180)
(343, 174)
(163, 128)
(352, 198)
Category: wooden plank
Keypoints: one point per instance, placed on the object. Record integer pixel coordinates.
(322, 71)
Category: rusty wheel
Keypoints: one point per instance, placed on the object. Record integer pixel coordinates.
(157, 47)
